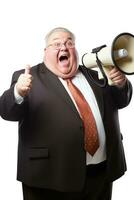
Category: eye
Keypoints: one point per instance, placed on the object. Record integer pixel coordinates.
(70, 44)
(57, 44)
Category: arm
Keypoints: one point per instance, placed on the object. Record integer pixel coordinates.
(10, 108)
(122, 89)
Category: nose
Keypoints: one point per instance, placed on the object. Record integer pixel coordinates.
(63, 46)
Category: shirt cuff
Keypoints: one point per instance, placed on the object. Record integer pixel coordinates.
(18, 98)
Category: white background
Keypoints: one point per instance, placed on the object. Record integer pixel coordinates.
(23, 25)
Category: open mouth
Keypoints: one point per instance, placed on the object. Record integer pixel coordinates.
(63, 58)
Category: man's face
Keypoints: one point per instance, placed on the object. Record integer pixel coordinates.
(60, 55)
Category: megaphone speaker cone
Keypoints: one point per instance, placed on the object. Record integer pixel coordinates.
(124, 42)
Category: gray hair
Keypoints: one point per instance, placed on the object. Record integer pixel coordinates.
(58, 29)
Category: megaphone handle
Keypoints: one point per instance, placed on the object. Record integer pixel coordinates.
(107, 69)
(102, 71)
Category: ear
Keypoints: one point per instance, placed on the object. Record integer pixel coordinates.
(44, 54)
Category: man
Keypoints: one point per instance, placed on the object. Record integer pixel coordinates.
(52, 159)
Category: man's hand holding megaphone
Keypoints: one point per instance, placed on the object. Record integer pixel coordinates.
(118, 78)
(24, 83)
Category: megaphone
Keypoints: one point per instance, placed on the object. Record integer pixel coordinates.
(119, 54)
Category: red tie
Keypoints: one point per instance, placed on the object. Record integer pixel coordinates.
(90, 129)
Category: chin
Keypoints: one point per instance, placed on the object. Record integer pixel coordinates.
(65, 70)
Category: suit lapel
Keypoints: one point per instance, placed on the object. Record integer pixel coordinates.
(54, 84)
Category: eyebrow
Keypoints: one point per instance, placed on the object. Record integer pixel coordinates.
(69, 38)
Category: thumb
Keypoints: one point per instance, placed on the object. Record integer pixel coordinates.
(27, 69)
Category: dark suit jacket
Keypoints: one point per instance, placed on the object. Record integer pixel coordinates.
(51, 150)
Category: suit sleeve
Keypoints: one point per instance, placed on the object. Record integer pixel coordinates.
(9, 109)
(122, 96)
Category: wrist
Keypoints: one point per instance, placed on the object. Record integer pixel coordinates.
(18, 97)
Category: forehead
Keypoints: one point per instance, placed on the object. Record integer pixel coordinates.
(59, 35)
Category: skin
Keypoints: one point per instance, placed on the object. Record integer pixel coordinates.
(118, 78)
(24, 83)
(65, 68)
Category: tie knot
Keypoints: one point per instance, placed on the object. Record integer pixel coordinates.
(68, 81)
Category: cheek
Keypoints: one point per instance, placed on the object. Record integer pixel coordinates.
(51, 57)
(74, 56)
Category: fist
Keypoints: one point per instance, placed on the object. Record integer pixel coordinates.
(118, 78)
(24, 82)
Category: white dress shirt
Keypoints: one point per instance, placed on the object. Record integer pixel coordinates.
(80, 81)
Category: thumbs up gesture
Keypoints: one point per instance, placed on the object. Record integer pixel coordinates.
(24, 82)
